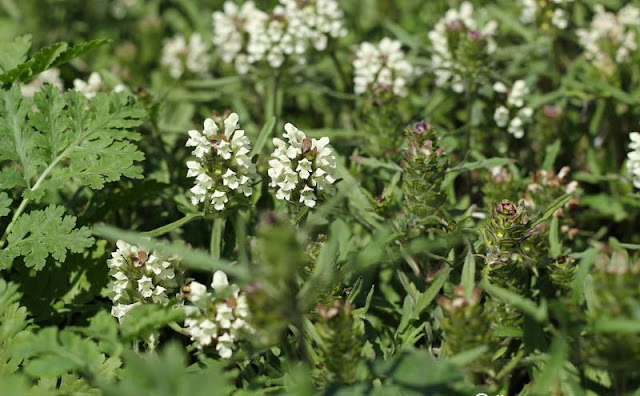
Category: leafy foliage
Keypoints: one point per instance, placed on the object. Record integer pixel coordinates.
(43, 233)
(481, 240)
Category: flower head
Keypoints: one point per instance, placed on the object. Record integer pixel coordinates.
(512, 113)
(302, 169)
(458, 44)
(611, 39)
(180, 56)
(223, 170)
(139, 277)
(218, 318)
(382, 66)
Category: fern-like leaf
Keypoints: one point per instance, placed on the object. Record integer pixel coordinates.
(43, 233)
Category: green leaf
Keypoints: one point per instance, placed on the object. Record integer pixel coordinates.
(432, 291)
(167, 374)
(13, 53)
(13, 322)
(69, 137)
(191, 258)
(78, 50)
(552, 371)
(43, 233)
(144, 319)
(18, 143)
(487, 163)
(172, 226)
(555, 246)
(5, 204)
(263, 136)
(51, 353)
(552, 153)
(539, 313)
(551, 209)
(469, 272)
(54, 55)
(614, 325)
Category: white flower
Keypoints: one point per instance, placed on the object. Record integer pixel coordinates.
(611, 38)
(516, 127)
(50, 76)
(633, 158)
(223, 170)
(513, 114)
(197, 291)
(220, 282)
(120, 310)
(139, 277)
(554, 12)
(246, 35)
(179, 56)
(501, 116)
(91, 87)
(302, 169)
(517, 94)
(217, 318)
(382, 66)
(560, 19)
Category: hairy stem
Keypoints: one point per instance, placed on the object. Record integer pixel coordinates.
(216, 237)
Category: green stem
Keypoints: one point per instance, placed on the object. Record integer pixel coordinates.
(216, 237)
(25, 201)
(343, 78)
(17, 214)
(470, 94)
(272, 102)
(241, 238)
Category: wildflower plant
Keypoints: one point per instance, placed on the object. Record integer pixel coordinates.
(461, 47)
(488, 249)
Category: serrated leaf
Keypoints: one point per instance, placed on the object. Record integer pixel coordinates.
(10, 178)
(51, 353)
(14, 52)
(167, 374)
(68, 137)
(18, 143)
(44, 233)
(5, 204)
(54, 55)
(13, 322)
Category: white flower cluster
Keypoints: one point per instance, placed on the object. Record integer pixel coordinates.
(93, 86)
(246, 35)
(139, 277)
(446, 59)
(612, 38)
(303, 169)
(223, 169)
(382, 66)
(180, 56)
(513, 115)
(219, 317)
(633, 158)
(50, 76)
(532, 10)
